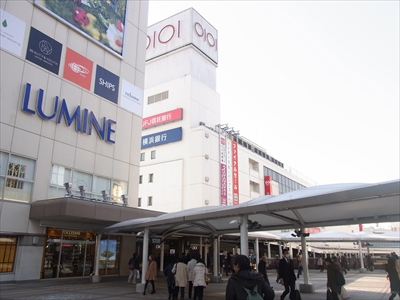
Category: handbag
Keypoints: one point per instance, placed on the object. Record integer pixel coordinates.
(344, 294)
(131, 267)
(297, 295)
(329, 295)
(206, 277)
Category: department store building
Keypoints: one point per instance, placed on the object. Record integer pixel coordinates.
(72, 80)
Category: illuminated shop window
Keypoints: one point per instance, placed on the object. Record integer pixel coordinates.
(8, 245)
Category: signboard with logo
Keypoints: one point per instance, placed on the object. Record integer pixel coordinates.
(102, 21)
(235, 173)
(106, 84)
(161, 138)
(187, 27)
(163, 118)
(12, 32)
(78, 69)
(271, 186)
(44, 51)
(131, 98)
(229, 185)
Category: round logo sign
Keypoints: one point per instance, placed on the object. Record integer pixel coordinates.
(45, 47)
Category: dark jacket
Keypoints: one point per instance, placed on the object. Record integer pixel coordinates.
(286, 270)
(170, 276)
(235, 291)
(332, 269)
(262, 268)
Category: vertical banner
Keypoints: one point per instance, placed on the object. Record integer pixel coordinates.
(267, 185)
(222, 159)
(229, 183)
(235, 173)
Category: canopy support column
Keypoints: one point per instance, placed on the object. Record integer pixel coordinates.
(362, 269)
(269, 250)
(306, 287)
(257, 250)
(145, 256)
(162, 256)
(244, 236)
(96, 277)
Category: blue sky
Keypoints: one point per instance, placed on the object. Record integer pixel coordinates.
(315, 83)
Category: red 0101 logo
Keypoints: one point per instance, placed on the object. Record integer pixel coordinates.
(168, 32)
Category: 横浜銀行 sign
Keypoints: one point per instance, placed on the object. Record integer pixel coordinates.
(161, 138)
(84, 120)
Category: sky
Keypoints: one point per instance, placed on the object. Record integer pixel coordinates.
(314, 83)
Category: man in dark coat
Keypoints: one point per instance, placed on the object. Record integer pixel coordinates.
(343, 262)
(244, 278)
(286, 275)
(262, 268)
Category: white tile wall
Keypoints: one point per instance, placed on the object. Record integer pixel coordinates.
(84, 160)
(44, 22)
(63, 154)
(25, 143)
(120, 170)
(103, 165)
(6, 135)
(29, 264)
(42, 170)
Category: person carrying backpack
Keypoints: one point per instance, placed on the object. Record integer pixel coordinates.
(245, 285)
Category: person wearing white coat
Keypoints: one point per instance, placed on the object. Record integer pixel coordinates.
(198, 279)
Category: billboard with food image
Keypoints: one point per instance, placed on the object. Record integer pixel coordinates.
(101, 20)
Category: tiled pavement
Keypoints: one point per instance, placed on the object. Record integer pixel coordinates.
(361, 286)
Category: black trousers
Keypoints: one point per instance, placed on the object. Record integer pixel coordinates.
(177, 288)
(190, 289)
(198, 292)
(288, 285)
(152, 285)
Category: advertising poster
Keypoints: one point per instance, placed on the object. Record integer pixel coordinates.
(44, 51)
(102, 21)
(235, 173)
(229, 183)
(161, 138)
(106, 84)
(78, 69)
(131, 98)
(222, 159)
(12, 32)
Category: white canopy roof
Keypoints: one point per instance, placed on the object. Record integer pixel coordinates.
(326, 205)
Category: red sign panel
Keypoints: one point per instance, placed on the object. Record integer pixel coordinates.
(267, 184)
(163, 118)
(235, 171)
(78, 69)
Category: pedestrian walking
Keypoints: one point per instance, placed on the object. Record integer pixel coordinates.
(300, 264)
(190, 266)
(262, 268)
(132, 270)
(343, 262)
(199, 283)
(393, 276)
(243, 279)
(170, 277)
(276, 263)
(286, 275)
(333, 267)
(151, 274)
(181, 277)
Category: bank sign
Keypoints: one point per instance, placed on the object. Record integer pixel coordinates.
(187, 27)
(85, 121)
(161, 138)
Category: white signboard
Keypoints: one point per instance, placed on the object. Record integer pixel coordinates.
(12, 32)
(131, 98)
(229, 179)
(185, 28)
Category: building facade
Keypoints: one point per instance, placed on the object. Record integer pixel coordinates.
(72, 80)
(189, 159)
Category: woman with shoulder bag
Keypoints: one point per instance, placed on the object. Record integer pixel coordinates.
(151, 274)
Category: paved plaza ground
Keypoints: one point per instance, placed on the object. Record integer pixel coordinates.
(361, 286)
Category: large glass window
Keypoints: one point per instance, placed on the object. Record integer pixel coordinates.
(16, 177)
(71, 253)
(85, 185)
(8, 245)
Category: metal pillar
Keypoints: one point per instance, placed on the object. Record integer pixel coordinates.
(280, 250)
(362, 269)
(215, 256)
(97, 256)
(201, 249)
(244, 237)
(145, 253)
(306, 287)
(162, 256)
(257, 250)
(269, 250)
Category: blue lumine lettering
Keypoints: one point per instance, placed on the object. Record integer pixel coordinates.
(84, 120)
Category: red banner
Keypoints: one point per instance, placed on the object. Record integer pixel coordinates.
(267, 185)
(163, 118)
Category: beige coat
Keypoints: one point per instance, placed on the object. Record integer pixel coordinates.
(151, 273)
(181, 274)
